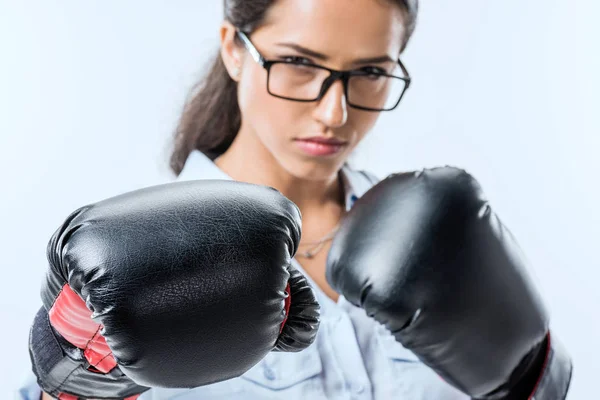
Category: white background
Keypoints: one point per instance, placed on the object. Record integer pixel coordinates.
(90, 92)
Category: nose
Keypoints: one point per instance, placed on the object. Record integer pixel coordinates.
(332, 110)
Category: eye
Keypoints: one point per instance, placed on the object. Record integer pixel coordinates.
(296, 60)
(373, 71)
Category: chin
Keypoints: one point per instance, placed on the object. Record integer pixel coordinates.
(312, 170)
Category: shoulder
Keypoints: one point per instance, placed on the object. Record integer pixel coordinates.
(199, 166)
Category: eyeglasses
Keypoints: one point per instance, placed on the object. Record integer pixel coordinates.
(369, 88)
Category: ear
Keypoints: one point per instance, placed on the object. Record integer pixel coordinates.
(231, 52)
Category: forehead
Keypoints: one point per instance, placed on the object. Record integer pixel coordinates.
(344, 28)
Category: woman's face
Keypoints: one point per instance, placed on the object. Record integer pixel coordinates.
(312, 140)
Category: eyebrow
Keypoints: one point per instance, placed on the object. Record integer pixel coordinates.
(323, 57)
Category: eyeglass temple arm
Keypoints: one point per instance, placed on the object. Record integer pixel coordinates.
(405, 72)
(251, 49)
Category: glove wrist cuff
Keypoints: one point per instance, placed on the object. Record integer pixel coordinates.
(62, 369)
(554, 381)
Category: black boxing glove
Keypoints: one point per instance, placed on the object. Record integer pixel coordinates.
(177, 285)
(424, 254)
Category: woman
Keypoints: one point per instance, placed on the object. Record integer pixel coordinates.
(296, 87)
(270, 112)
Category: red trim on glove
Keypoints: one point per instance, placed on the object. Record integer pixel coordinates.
(65, 396)
(546, 360)
(73, 320)
(288, 302)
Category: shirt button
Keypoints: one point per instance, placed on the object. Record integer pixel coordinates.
(358, 388)
(269, 374)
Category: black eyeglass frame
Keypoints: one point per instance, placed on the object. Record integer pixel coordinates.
(334, 75)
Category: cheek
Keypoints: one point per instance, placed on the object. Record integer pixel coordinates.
(252, 92)
(272, 119)
(361, 122)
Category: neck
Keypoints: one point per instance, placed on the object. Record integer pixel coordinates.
(247, 160)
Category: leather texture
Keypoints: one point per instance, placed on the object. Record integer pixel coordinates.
(424, 254)
(187, 281)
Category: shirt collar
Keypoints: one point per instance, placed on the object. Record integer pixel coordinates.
(200, 167)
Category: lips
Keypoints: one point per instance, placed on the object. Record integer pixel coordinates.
(324, 140)
(320, 146)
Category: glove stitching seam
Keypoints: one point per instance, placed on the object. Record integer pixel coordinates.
(92, 340)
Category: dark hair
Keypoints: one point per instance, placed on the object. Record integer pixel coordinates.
(211, 117)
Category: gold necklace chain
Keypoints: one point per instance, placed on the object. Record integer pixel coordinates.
(318, 245)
